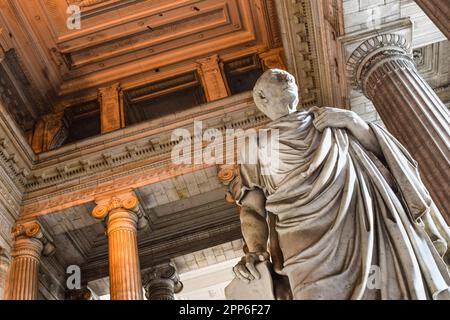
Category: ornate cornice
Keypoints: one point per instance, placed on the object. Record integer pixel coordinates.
(132, 158)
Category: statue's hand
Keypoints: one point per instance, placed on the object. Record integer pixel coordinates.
(346, 119)
(246, 270)
(337, 118)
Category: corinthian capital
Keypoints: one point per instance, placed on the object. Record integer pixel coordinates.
(120, 201)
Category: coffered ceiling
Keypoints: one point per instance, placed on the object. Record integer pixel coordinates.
(133, 42)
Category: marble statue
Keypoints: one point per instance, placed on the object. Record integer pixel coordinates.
(345, 214)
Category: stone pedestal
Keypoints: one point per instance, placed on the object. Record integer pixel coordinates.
(383, 69)
(123, 218)
(162, 283)
(30, 244)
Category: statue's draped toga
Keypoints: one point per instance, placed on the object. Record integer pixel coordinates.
(350, 225)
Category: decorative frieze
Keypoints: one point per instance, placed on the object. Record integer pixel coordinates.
(12, 166)
(149, 149)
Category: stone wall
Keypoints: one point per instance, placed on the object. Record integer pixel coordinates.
(15, 165)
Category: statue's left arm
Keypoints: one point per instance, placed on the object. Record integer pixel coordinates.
(347, 119)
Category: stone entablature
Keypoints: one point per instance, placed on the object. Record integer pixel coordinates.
(128, 158)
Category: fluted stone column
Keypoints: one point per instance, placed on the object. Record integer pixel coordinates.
(4, 265)
(29, 246)
(123, 218)
(383, 69)
(162, 282)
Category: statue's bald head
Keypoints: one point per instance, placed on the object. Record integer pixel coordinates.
(276, 93)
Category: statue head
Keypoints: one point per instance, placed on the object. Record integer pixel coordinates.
(276, 94)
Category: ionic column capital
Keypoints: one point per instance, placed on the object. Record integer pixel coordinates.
(123, 204)
(30, 239)
(162, 282)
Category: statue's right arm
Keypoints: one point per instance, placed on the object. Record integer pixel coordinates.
(255, 232)
(253, 221)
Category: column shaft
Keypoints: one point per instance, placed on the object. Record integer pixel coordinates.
(124, 271)
(24, 270)
(161, 289)
(383, 69)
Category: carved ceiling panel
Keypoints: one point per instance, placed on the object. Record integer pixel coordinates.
(128, 40)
